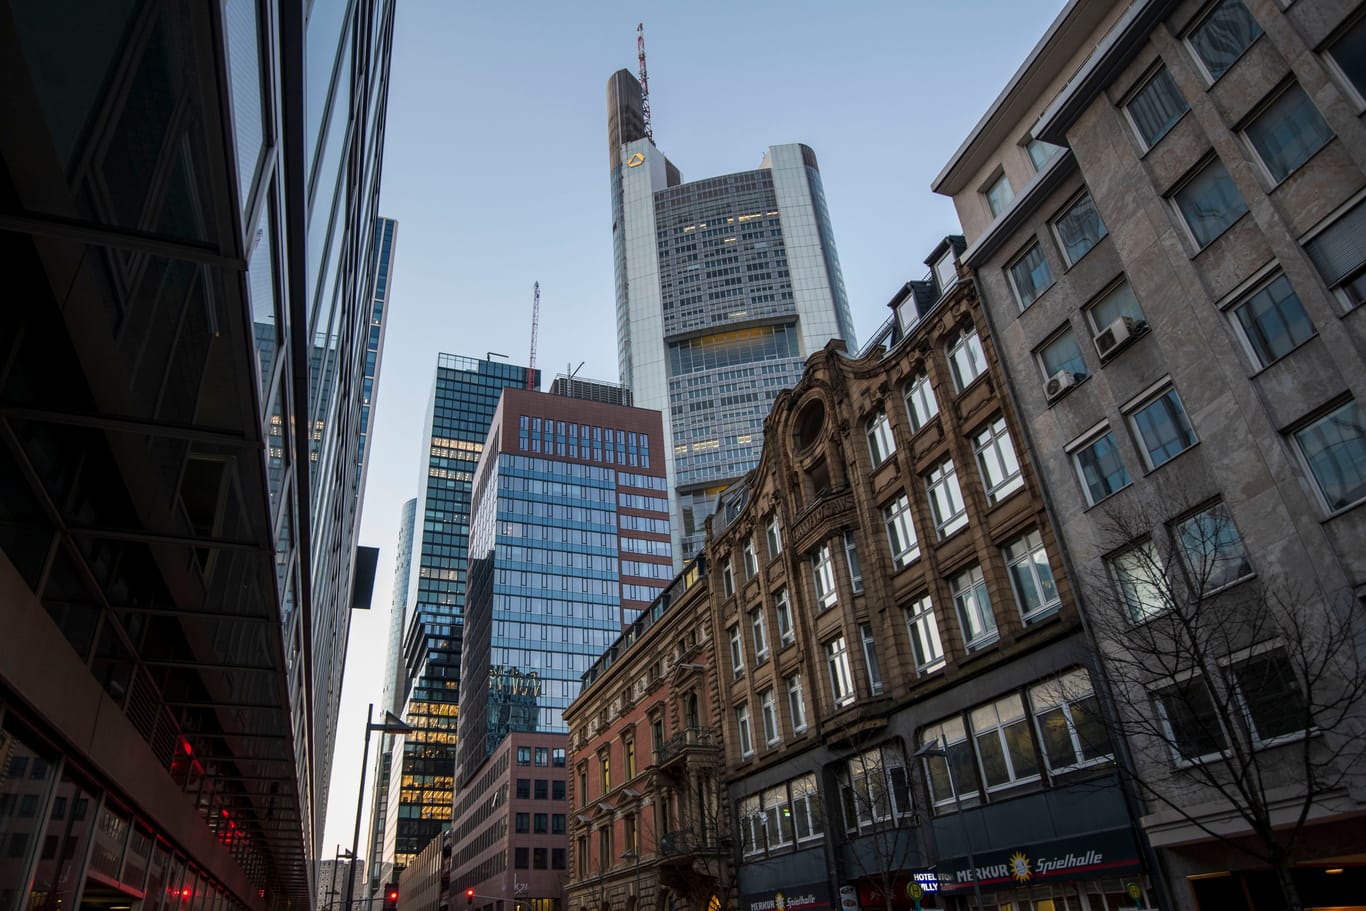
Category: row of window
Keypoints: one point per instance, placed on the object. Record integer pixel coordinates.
(545, 756)
(544, 823)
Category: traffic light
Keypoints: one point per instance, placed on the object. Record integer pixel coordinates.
(391, 897)
(469, 898)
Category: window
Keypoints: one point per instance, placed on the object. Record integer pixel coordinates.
(521, 858)
(921, 405)
(997, 462)
(751, 561)
(605, 852)
(1339, 254)
(605, 763)
(823, 570)
(851, 556)
(1162, 426)
(1209, 202)
(557, 824)
(1062, 353)
(796, 704)
(557, 757)
(966, 359)
(524, 789)
(1269, 695)
(760, 630)
(538, 856)
(1272, 322)
(946, 271)
(1005, 745)
(768, 711)
(1067, 717)
(1029, 275)
(542, 824)
(880, 441)
(806, 807)
(841, 679)
(1222, 36)
(541, 791)
(1334, 448)
(742, 725)
(628, 831)
(870, 658)
(1287, 133)
(727, 578)
(973, 603)
(946, 499)
(1348, 54)
(1141, 578)
(522, 822)
(1079, 228)
(1115, 304)
(557, 858)
(1100, 467)
(896, 515)
(629, 745)
(775, 537)
(737, 652)
(782, 608)
(874, 788)
(953, 773)
(924, 631)
(543, 756)
(1031, 576)
(581, 855)
(1212, 549)
(524, 755)
(1040, 152)
(999, 195)
(583, 786)
(557, 789)
(1155, 106)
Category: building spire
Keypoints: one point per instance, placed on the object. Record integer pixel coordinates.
(644, 82)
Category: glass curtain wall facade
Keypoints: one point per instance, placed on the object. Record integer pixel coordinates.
(422, 768)
(188, 200)
(724, 287)
(568, 543)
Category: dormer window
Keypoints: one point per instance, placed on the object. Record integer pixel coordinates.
(999, 195)
(946, 272)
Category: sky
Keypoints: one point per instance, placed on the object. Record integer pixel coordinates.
(495, 167)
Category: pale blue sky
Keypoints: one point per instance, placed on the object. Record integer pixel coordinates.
(496, 169)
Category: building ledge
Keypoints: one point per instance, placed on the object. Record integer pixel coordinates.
(1022, 209)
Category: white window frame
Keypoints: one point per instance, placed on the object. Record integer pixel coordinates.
(768, 709)
(1083, 444)
(996, 180)
(851, 558)
(746, 738)
(1138, 573)
(968, 345)
(773, 534)
(782, 608)
(944, 477)
(1178, 758)
(951, 735)
(759, 628)
(1015, 282)
(981, 730)
(927, 649)
(1029, 145)
(1174, 199)
(1063, 213)
(1355, 93)
(840, 672)
(1201, 574)
(1307, 465)
(1066, 330)
(796, 703)
(873, 779)
(993, 440)
(1032, 542)
(1147, 143)
(727, 578)
(1263, 110)
(881, 442)
(1347, 221)
(1097, 326)
(1062, 694)
(870, 658)
(920, 395)
(823, 572)
(1200, 61)
(901, 536)
(1243, 299)
(972, 602)
(1230, 667)
(751, 559)
(806, 808)
(737, 652)
(1141, 403)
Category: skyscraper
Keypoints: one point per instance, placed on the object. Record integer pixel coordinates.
(189, 208)
(723, 287)
(464, 396)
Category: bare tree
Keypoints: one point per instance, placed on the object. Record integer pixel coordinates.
(697, 855)
(1241, 696)
(875, 802)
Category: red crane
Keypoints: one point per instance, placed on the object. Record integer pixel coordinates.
(644, 82)
(535, 327)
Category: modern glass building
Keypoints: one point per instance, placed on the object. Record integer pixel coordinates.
(569, 541)
(464, 397)
(188, 222)
(724, 286)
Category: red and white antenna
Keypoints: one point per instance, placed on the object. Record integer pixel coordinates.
(644, 82)
(535, 327)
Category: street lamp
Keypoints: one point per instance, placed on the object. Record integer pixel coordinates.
(336, 862)
(391, 724)
(633, 856)
(934, 749)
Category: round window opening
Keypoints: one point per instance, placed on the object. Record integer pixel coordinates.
(810, 423)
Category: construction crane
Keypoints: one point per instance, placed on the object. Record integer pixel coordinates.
(535, 327)
(644, 82)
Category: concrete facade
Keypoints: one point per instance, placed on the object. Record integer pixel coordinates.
(1243, 397)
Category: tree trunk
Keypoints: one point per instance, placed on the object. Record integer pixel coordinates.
(1289, 893)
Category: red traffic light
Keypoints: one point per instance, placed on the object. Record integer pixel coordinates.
(469, 896)
(393, 895)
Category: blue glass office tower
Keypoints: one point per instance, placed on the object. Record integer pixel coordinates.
(188, 216)
(464, 396)
(569, 541)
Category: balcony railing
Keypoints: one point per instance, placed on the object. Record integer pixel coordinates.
(685, 842)
(696, 739)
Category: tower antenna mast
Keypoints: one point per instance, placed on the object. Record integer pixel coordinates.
(535, 327)
(644, 82)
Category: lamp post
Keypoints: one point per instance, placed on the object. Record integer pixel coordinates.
(391, 724)
(336, 862)
(633, 856)
(934, 749)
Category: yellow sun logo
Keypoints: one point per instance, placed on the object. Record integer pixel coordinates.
(1019, 866)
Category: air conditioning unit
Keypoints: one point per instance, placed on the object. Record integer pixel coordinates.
(1118, 334)
(1059, 383)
